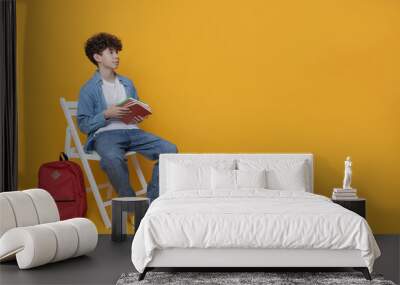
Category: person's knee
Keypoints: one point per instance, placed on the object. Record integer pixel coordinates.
(169, 148)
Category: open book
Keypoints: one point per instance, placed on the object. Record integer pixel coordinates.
(137, 108)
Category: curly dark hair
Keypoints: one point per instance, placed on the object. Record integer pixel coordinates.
(99, 42)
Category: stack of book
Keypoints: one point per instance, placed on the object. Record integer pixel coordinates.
(344, 194)
(136, 108)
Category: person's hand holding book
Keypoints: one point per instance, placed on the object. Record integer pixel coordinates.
(116, 112)
(138, 111)
(138, 119)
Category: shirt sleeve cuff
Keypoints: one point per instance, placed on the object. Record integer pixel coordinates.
(100, 118)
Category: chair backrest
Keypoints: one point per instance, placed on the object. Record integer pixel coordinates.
(70, 109)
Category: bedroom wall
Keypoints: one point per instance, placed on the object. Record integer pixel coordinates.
(231, 76)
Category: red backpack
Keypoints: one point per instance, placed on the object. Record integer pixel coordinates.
(63, 179)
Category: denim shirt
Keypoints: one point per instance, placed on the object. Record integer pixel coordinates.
(92, 104)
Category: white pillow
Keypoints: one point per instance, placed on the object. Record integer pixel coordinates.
(282, 174)
(251, 178)
(237, 179)
(188, 175)
(223, 179)
(289, 179)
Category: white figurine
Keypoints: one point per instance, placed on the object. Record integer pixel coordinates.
(347, 173)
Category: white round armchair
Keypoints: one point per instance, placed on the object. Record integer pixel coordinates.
(31, 230)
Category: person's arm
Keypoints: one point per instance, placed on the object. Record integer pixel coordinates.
(115, 111)
(88, 120)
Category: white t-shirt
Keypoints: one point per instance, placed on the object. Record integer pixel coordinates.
(114, 92)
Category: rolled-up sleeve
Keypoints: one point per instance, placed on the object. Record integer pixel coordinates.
(88, 120)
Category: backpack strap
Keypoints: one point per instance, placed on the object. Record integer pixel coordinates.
(63, 156)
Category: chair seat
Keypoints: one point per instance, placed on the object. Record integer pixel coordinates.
(130, 199)
(93, 155)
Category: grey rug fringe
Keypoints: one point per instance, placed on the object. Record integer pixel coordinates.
(253, 278)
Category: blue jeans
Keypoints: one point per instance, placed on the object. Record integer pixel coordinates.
(112, 145)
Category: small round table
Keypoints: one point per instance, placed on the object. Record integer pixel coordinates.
(120, 207)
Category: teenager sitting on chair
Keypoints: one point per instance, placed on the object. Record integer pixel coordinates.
(99, 117)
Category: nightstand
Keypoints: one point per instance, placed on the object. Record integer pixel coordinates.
(357, 205)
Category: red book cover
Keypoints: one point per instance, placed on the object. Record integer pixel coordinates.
(136, 107)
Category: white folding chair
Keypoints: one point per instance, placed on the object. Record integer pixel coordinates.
(71, 136)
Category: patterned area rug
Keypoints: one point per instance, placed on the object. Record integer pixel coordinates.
(230, 278)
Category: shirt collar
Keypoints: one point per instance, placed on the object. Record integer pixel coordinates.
(99, 80)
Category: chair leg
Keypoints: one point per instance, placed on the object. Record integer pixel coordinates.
(72, 132)
(365, 272)
(96, 193)
(139, 174)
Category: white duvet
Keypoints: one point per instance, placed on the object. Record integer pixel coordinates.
(251, 218)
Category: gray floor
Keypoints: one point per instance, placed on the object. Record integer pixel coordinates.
(389, 262)
(102, 266)
(110, 260)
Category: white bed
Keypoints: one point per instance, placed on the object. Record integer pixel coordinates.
(200, 223)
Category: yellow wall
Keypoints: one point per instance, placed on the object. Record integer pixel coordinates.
(231, 76)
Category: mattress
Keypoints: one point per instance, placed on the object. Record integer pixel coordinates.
(250, 219)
